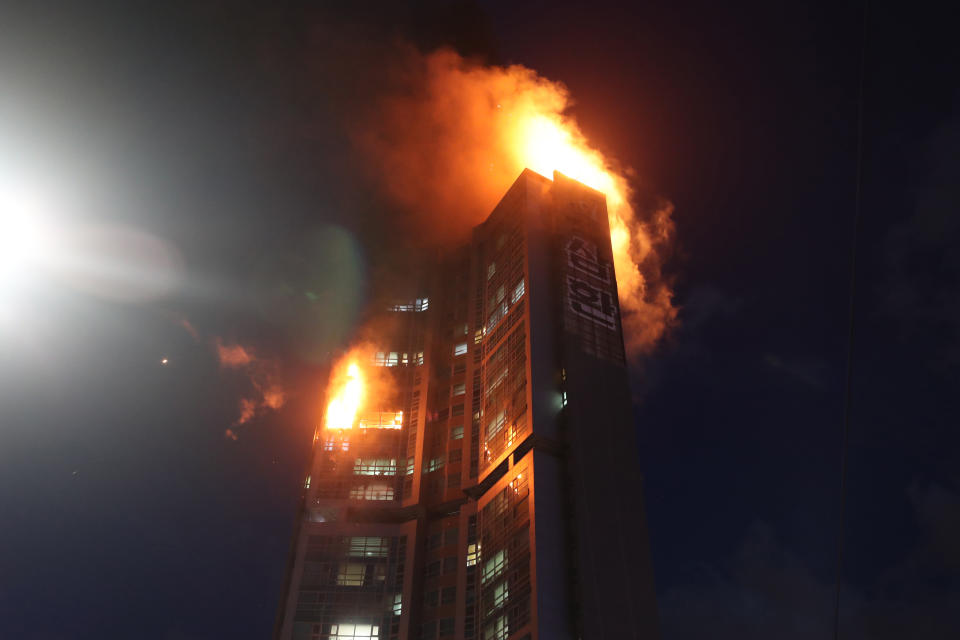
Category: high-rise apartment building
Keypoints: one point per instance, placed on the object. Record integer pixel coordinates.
(491, 492)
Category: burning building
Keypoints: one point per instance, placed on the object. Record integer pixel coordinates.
(475, 475)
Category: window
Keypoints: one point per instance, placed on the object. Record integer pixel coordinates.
(494, 566)
(446, 627)
(430, 598)
(434, 541)
(434, 464)
(349, 631)
(500, 594)
(449, 565)
(496, 630)
(456, 433)
(450, 536)
(498, 379)
(428, 630)
(411, 462)
(491, 269)
(457, 410)
(369, 546)
(375, 491)
(496, 316)
(420, 304)
(432, 569)
(496, 424)
(453, 480)
(456, 455)
(473, 554)
(398, 604)
(351, 574)
(459, 367)
(518, 292)
(448, 595)
(418, 358)
(459, 389)
(375, 467)
(391, 358)
(460, 330)
(460, 349)
(306, 483)
(563, 399)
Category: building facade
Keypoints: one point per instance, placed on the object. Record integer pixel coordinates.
(492, 493)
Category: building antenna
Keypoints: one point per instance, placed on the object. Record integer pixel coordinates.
(848, 381)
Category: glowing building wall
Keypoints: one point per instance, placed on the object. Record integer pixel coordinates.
(507, 506)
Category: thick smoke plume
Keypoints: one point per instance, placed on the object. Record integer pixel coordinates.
(449, 137)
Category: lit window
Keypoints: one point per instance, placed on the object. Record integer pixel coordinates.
(376, 491)
(478, 336)
(418, 358)
(456, 433)
(498, 296)
(351, 574)
(496, 630)
(398, 604)
(496, 424)
(306, 484)
(434, 464)
(496, 316)
(369, 546)
(500, 594)
(498, 379)
(518, 292)
(420, 304)
(350, 631)
(563, 398)
(375, 467)
(460, 349)
(334, 444)
(494, 566)
(473, 554)
(459, 389)
(491, 269)
(410, 464)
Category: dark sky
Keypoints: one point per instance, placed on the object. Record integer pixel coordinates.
(217, 129)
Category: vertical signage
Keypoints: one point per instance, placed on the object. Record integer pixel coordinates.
(586, 294)
(587, 280)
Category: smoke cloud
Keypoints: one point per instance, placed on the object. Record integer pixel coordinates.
(449, 136)
(265, 393)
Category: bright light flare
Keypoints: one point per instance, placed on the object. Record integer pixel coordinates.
(343, 407)
(27, 242)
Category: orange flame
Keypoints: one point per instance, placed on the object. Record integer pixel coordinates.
(345, 403)
(453, 141)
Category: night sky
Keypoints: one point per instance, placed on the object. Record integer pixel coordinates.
(216, 131)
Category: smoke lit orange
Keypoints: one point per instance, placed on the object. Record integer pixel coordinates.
(453, 141)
